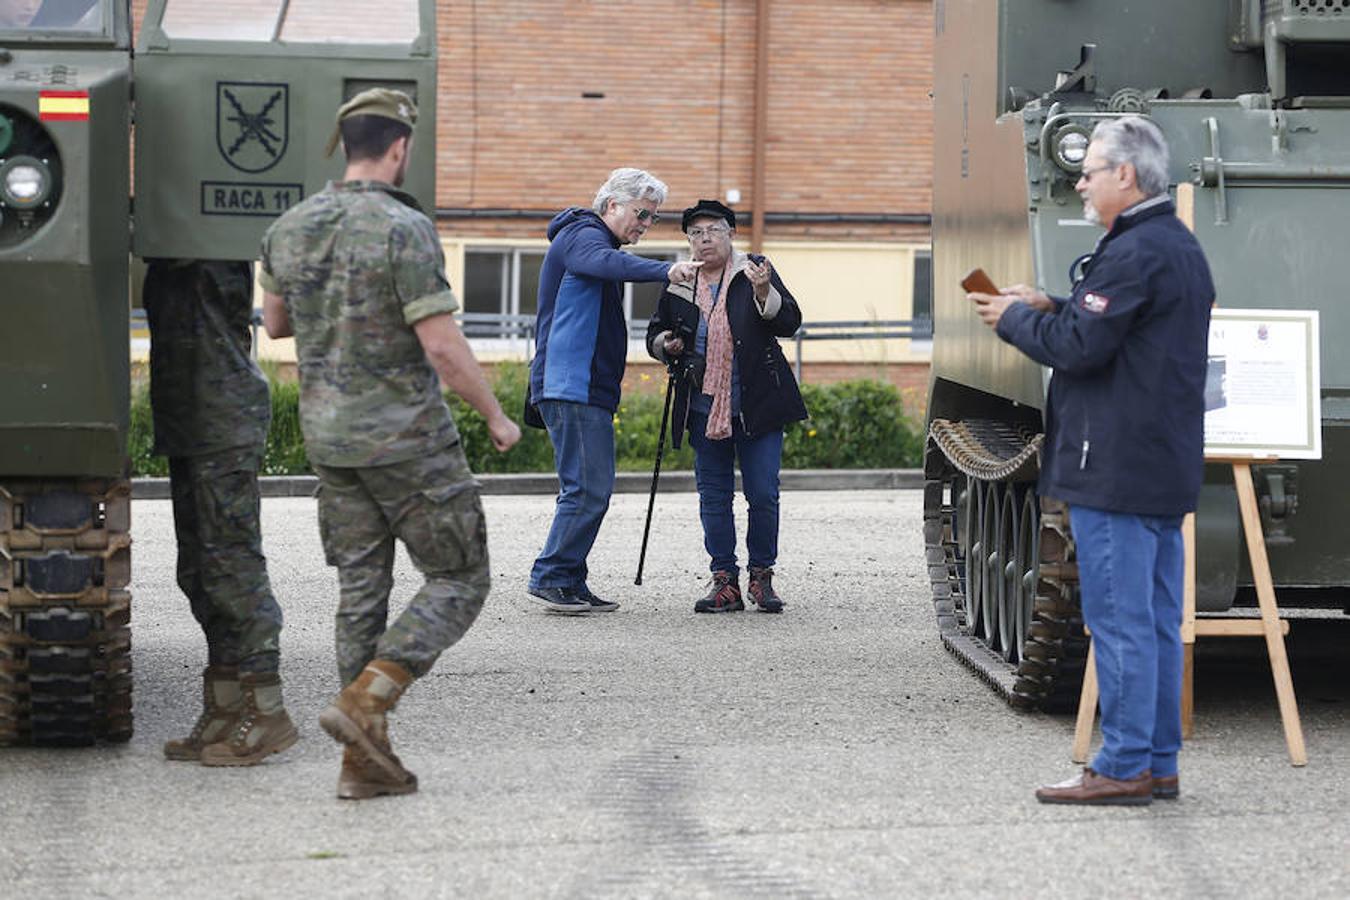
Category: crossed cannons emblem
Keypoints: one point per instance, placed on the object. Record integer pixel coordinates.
(252, 141)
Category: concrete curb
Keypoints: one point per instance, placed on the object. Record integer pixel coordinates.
(624, 483)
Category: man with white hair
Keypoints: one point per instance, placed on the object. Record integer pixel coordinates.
(575, 376)
(1124, 446)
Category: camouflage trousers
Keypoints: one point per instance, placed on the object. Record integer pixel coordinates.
(431, 504)
(221, 567)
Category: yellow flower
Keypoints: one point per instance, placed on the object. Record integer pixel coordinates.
(811, 433)
(646, 377)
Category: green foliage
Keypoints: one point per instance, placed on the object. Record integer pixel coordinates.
(855, 424)
(285, 449)
(141, 436)
(534, 453)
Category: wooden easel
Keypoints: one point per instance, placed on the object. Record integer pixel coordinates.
(1269, 625)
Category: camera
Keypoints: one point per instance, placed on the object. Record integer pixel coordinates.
(688, 365)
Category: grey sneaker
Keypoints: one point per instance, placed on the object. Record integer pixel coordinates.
(561, 600)
(598, 604)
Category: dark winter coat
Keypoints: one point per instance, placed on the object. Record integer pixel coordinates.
(1124, 419)
(769, 394)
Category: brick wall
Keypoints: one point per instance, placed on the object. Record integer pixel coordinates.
(849, 111)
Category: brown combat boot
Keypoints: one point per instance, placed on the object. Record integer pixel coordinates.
(221, 705)
(263, 727)
(362, 779)
(357, 717)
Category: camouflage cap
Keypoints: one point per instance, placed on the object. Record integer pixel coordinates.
(384, 102)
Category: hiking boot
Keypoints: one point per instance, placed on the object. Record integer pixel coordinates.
(221, 705)
(725, 595)
(567, 601)
(762, 593)
(358, 718)
(263, 727)
(598, 604)
(362, 779)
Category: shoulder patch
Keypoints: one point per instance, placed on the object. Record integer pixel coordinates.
(1095, 303)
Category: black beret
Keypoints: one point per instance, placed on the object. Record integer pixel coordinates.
(707, 208)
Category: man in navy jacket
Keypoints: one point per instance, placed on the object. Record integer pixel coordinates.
(577, 369)
(1124, 446)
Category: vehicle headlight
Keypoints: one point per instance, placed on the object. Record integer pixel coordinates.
(1070, 146)
(25, 182)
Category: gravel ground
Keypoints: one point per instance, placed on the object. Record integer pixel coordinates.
(834, 751)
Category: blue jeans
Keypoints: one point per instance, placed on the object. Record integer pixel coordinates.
(1131, 570)
(714, 472)
(583, 453)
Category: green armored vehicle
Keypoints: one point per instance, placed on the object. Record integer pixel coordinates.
(1254, 98)
(233, 106)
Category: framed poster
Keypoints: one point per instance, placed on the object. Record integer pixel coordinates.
(1263, 390)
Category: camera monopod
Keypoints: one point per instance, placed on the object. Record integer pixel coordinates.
(656, 471)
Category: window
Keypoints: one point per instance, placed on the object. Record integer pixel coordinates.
(640, 298)
(505, 282)
(923, 286)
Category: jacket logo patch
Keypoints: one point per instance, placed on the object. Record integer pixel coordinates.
(1095, 303)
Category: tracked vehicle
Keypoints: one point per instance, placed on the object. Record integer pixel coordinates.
(233, 107)
(1254, 98)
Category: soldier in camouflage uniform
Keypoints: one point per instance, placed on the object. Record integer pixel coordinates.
(211, 412)
(356, 273)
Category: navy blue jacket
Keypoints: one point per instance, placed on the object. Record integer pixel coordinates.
(581, 330)
(1124, 419)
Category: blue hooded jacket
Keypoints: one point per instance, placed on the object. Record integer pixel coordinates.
(581, 331)
(1124, 419)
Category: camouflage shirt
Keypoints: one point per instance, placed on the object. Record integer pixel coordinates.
(205, 389)
(358, 264)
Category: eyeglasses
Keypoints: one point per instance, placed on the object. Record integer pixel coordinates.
(713, 231)
(645, 214)
(1087, 174)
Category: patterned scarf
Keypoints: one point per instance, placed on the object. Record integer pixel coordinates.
(718, 354)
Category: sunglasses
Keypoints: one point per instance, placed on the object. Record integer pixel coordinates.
(644, 214)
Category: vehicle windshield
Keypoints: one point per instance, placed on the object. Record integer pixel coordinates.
(300, 21)
(74, 16)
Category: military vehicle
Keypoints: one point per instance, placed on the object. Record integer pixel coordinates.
(233, 106)
(1254, 98)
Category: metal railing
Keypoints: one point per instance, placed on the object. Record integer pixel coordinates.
(139, 322)
(496, 326)
(860, 330)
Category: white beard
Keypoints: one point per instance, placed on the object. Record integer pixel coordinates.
(1090, 213)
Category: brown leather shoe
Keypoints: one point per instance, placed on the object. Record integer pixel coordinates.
(1093, 788)
(1167, 788)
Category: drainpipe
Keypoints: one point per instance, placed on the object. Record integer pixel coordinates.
(761, 124)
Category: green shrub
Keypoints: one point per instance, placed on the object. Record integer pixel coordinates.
(141, 436)
(855, 424)
(285, 449)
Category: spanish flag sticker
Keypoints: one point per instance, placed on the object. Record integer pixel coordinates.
(63, 106)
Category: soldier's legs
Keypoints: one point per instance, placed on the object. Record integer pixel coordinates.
(358, 542)
(221, 647)
(234, 598)
(222, 570)
(432, 505)
(435, 509)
